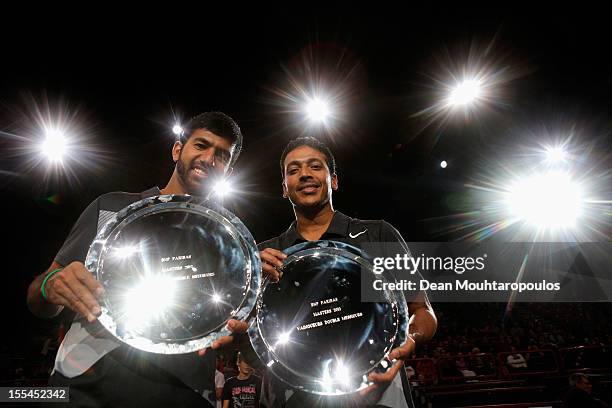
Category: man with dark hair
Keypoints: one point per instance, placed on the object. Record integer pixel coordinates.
(215, 123)
(330, 160)
(100, 370)
(308, 178)
(219, 124)
(244, 390)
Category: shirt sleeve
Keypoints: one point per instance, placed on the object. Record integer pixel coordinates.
(227, 390)
(219, 379)
(81, 236)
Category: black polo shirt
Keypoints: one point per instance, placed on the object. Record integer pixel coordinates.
(355, 232)
(342, 229)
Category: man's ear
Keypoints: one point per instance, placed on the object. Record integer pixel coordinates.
(285, 192)
(176, 150)
(334, 181)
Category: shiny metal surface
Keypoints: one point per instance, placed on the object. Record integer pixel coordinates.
(313, 332)
(174, 272)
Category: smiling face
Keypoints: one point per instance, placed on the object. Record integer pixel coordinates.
(202, 158)
(307, 180)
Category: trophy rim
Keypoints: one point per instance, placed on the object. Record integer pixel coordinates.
(269, 358)
(185, 203)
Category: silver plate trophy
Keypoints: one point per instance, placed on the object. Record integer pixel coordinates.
(311, 329)
(174, 272)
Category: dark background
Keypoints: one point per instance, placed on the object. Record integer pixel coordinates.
(126, 71)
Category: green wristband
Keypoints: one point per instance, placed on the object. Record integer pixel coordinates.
(50, 274)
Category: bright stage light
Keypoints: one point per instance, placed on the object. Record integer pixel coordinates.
(177, 129)
(223, 188)
(317, 110)
(468, 80)
(521, 196)
(149, 299)
(465, 93)
(55, 146)
(216, 298)
(555, 154)
(548, 201)
(443, 164)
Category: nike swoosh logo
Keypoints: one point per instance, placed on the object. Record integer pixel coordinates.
(357, 234)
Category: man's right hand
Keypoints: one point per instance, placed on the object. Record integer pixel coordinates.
(76, 288)
(271, 260)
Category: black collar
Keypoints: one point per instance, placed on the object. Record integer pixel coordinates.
(339, 227)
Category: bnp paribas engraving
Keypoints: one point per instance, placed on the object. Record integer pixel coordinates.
(313, 331)
(174, 270)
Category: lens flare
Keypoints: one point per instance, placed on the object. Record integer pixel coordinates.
(465, 93)
(515, 195)
(223, 188)
(556, 154)
(317, 110)
(148, 300)
(283, 338)
(177, 129)
(55, 145)
(549, 201)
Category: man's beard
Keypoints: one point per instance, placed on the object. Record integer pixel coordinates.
(191, 188)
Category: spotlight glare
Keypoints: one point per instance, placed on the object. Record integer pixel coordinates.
(149, 299)
(555, 154)
(549, 201)
(317, 110)
(283, 338)
(125, 251)
(443, 164)
(54, 146)
(177, 129)
(342, 373)
(223, 188)
(216, 298)
(465, 93)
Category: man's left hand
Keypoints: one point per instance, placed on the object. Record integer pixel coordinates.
(236, 327)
